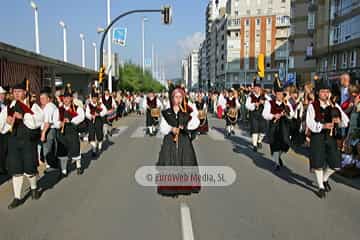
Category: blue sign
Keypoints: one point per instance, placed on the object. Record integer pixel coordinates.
(119, 36)
(291, 78)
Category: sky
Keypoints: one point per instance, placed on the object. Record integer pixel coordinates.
(171, 43)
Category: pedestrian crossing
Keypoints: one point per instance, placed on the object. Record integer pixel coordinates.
(216, 134)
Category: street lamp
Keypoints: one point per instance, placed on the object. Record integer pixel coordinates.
(95, 56)
(62, 24)
(143, 42)
(82, 37)
(37, 39)
(109, 47)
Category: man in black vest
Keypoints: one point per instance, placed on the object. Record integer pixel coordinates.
(324, 118)
(23, 125)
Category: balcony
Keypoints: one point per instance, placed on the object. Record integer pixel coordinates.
(233, 23)
(281, 55)
(281, 34)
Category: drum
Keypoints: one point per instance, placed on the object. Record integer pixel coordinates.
(111, 115)
(202, 115)
(232, 113)
(155, 112)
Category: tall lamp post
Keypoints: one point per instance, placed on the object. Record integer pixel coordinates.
(109, 47)
(62, 24)
(143, 42)
(95, 56)
(37, 38)
(82, 37)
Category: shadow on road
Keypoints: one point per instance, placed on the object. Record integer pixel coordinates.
(286, 174)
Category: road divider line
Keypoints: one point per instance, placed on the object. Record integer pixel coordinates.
(186, 225)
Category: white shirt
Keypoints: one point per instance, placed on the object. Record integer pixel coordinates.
(222, 101)
(344, 94)
(88, 112)
(3, 116)
(267, 115)
(315, 126)
(80, 115)
(51, 115)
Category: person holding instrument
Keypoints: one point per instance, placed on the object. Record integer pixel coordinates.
(255, 105)
(22, 124)
(278, 111)
(177, 149)
(68, 137)
(322, 116)
(95, 113)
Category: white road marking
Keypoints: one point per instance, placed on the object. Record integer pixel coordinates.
(118, 131)
(186, 225)
(139, 132)
(216, 135)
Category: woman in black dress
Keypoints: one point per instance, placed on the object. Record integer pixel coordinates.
(177, 148)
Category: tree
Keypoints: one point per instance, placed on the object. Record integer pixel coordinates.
(133, 79)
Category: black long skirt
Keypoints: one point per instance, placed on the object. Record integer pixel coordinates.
(177, 154)
(279, 138)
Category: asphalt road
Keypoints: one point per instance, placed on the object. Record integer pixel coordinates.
(107, 203)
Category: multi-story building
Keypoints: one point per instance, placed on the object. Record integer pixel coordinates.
(203, 83)
(332, 43)
(302, 63)
(185, 71)
(193, 64)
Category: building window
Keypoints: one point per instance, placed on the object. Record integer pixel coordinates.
(311, 21)
(268, 21)
(258, 22)
(258, 12)
(344, 60)
(353, 58)
(236, 13)
(247, 22)
(334, 62)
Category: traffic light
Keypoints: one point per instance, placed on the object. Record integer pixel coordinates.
(101, 74)
(261, 66)
(167, 15)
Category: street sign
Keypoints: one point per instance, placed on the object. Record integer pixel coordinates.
(291, 78)
(119, 36)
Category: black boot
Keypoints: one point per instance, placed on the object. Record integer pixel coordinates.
(79, 171)
(281, 162)
(321, 193)
(255, 148)
(35, 194)
(327, 186)
(277, 168)
(259, 145)
(15, 203)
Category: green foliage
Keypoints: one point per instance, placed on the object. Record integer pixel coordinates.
(133, 79)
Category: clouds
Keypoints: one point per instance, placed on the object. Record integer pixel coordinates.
(191, 42)
(183, 48)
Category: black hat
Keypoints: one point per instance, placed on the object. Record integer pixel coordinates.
(21, 85)
(94, 92)
(68, 92)
(322, 84)
(46, 90)
(277, 85)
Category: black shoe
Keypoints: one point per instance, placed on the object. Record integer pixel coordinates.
(327, 186)
(259, 146)
(321, 193)
(35, 194)
(255, 148)
(94, 153)
(62, 175)
(79, 171)
(281, 162)
(277, 168)
(15, 203)
(232, 132)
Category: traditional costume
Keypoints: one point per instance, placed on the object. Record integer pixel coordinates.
(201, 107)
(177, 149)
(153, 107)
(68, 136)
(231, 113)
(111, 113)
(24, 135)
(95, 113)
(278, 127)
(325, 157)
(255, 105)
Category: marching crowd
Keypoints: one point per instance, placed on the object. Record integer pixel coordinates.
(48, 128)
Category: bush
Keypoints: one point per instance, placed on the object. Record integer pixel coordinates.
(133, 79)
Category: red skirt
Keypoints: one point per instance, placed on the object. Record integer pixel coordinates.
(219, 112)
